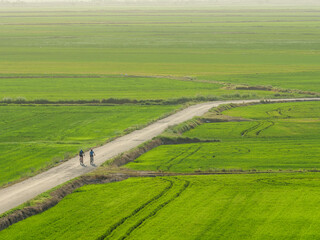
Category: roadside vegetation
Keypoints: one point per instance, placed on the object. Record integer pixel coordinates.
(38, 136)
(276, 137)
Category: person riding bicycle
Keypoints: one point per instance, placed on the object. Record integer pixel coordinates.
(81, 154)
(91, 156)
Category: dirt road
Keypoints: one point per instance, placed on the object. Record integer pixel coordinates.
(19, 193)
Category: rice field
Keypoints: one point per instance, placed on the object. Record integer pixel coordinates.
(162, 53)
(255, 46)
(34, 137)
(282, 136)
(260, 206)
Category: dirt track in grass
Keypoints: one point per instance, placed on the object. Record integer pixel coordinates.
(19, 193)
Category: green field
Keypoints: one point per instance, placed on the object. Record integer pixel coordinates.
(59, 87)
(33, 137)
(278, 47)
(282, 136)
(165, 53)
(307, 80)
(260, 206)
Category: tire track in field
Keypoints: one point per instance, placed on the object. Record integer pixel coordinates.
(136, 211)
(271, 123)
(111, 230)
(156, 210)
(275, 113)
(280, 112)
(182, 159)
(172, 159)
(268, 124)
(18, 193)
(245, 132)
(241, 150)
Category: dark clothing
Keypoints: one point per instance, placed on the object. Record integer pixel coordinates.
(91, 153)
(81, 153)
(91, 156)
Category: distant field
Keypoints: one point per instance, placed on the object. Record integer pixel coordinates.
(33, 137)
(307, 80)
(279, 47)
(285, 111)
(260, 206)
(279, 136)
(81, 87)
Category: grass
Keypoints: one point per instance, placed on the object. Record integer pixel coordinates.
(280, 111)
(81, 87)
(34, 137)
(306, 80)
(281, 136)
(278, 47)
(86, 54)
(260, 206)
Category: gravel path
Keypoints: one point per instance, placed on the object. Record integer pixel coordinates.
(19, 193)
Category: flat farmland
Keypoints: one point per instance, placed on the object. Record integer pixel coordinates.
(307, 80)
(76, 57)
(95, 87)
(259, 206)
(282, 136)
(36, 137)
(278, 47)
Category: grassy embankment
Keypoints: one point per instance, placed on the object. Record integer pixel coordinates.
(36, 137)
(205, 207)
(256, 47)
(283, 136)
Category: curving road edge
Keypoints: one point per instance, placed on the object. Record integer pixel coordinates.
(21, 192)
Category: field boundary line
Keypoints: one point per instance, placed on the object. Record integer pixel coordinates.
(17, 194)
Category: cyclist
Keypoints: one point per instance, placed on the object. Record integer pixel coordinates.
(81, 154)
(91, 156)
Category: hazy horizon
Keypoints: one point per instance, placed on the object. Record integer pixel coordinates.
(193, 2)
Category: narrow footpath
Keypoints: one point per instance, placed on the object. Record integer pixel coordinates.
(21, 192)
